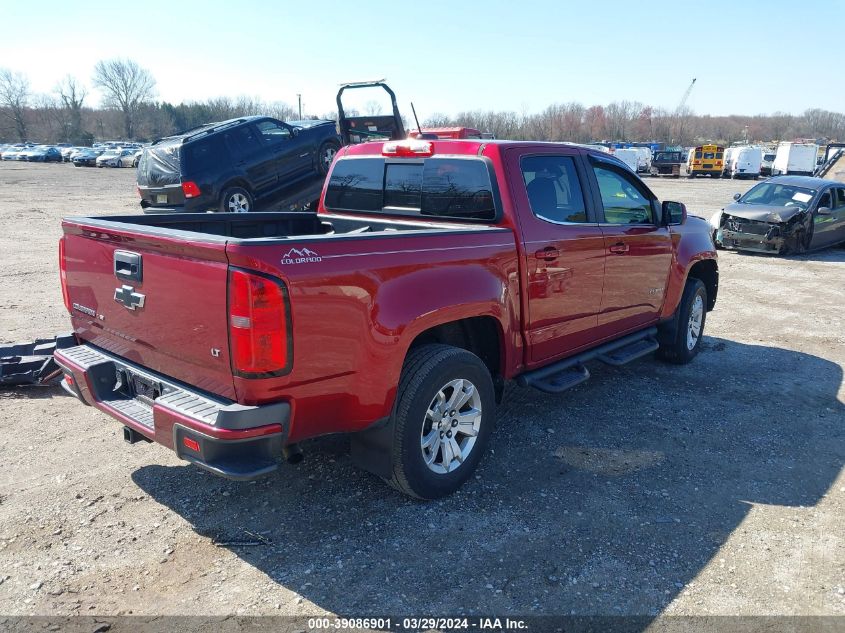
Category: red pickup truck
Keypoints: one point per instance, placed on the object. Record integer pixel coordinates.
(432, 273)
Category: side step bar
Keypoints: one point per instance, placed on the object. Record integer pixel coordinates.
(569, 372)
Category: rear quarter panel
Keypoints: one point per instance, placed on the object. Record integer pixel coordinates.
(357, 306)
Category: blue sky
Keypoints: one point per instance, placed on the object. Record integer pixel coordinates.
(447, 56)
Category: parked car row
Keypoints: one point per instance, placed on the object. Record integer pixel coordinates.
(108, 154)
(32, 153)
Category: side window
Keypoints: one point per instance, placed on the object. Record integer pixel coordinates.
(272, 132)
(623, 201)
(825, 200)
(840, 198)
(242, 141)
(553, 188)
(201, 155)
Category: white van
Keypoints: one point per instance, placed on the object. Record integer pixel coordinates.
(743, 162)
(768, 161)
(628, 156)
(795, 158)
(643, 159)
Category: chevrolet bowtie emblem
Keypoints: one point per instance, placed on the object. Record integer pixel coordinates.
(127, 296)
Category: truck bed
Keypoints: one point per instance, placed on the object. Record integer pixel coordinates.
(265, 226)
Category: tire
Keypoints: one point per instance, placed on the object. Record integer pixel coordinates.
(325, 156)
(236, 200)
(715, 175)
(432, 373)
(683, 346)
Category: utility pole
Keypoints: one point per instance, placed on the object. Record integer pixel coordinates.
(299, 99)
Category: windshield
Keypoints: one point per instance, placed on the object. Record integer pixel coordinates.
(779, 195)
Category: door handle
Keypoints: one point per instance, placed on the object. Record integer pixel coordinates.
(549, 253)
(619, 248)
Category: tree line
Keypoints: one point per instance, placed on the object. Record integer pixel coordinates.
(129, 110)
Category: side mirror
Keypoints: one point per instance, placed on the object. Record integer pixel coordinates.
(673, 213)
(823, 211)
(294, 131)
(737, 196)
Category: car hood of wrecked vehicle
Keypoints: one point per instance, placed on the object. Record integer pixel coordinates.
(763, 212)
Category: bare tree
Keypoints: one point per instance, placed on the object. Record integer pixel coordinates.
(125, 86)
(14, 97)
(373, 108)
(437, 119)
(72, 94)
(50, 119)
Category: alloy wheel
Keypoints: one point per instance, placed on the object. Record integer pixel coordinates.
(451, 426)
(696, 317)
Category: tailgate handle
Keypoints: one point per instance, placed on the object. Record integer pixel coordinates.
(128, 266)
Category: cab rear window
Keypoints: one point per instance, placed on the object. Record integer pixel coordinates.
(446, 187)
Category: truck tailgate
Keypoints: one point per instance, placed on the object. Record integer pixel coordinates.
(168, 315)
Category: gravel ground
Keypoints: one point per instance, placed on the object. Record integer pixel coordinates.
(714, 488)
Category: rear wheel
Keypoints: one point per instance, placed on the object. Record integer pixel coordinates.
(443, 417)
(236, 200)
(686, 339)
(325, 156)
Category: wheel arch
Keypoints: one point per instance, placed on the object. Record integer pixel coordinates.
(236, 181)
(707, 270)
(481, 335)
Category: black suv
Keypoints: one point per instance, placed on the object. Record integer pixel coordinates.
(226, 166)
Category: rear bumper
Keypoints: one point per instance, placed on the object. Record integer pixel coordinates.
(171, 199)
(231, 440)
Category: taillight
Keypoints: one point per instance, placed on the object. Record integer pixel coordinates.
(190, 189)
(63, 273)
(259, 325)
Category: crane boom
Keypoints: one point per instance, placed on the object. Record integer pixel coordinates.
(685, 97)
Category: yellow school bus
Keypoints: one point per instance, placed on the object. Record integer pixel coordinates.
(707, 160)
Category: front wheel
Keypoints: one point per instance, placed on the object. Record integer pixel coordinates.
(236, 200)
(685, 341)
(444, 415)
